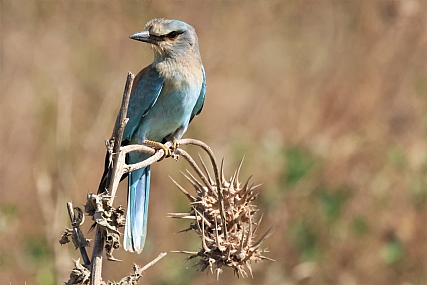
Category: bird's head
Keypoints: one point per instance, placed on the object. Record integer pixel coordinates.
(169, 38)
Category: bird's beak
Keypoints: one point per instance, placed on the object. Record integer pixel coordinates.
(144, 36)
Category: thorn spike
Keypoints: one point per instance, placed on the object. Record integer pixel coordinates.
(205, 169)
(222, 172)
(191, 198)
(200, 185)
(257, 225)
(264, 236)
(236, 180)
(245, 188)
(249, 239)
(193, 182)
(242, 241)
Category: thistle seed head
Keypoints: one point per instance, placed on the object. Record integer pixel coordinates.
(223, 215)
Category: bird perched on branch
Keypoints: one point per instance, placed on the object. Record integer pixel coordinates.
(166, 95)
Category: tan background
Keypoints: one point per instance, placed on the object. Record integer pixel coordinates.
(326, 99)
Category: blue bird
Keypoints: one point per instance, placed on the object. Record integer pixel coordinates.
(165, 97)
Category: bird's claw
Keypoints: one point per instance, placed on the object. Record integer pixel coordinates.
(175, 145)
(156, 145)
(168, 151)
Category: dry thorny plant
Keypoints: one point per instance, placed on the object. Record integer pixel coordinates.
(222, 214)
(224, 217)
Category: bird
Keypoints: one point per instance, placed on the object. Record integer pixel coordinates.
(165, 97)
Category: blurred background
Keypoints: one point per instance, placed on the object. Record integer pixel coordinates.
(326, 100)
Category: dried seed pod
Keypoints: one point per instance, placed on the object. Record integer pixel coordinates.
(110, 219)
(79, 275)
(223, 216)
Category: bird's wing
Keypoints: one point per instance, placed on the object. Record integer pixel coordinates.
(201, 100)
(145, 90)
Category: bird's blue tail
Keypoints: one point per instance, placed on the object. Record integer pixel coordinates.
(137, 212)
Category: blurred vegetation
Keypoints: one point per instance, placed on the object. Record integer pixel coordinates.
(327, 100)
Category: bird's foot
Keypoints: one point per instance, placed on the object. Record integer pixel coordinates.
(156, 145)
(175, 145)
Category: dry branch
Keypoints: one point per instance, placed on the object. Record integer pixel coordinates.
(107, 218)
(114, 149)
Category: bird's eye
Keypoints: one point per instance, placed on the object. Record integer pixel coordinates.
(172, 35)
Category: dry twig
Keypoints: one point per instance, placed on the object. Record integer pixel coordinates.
(107, 218)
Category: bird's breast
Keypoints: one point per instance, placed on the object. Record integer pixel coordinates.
(174, 105)
(181, 93)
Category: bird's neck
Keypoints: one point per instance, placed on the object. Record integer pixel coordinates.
(169, 66)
